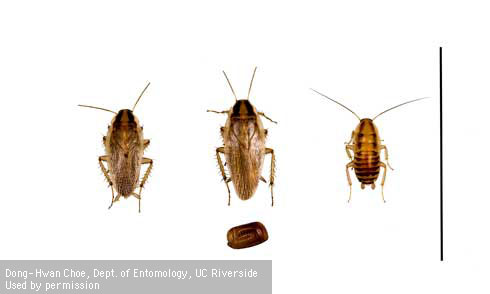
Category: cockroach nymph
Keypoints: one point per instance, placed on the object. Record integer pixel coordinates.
(365, 143)
(124, 145)
(244, 147)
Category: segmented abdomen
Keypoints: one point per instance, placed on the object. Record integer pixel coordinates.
(366, 166)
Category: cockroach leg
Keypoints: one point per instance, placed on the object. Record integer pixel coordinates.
(138, 196)
(263, 114)
(106, 174)
(349, 165)
(112, 201)
(347, 148)
(219, 112)
(148, 170)
(104, 170)
(381, 164)
(262, 179)
(115, 200)
(146, 143)
(273, 171)
(222, 169)
(144, 179)
(386, 156)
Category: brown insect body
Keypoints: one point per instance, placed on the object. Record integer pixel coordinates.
(124, 146)
(365, 143)
(244, 148)
(367, 149)
(244, 141)
(247, 235)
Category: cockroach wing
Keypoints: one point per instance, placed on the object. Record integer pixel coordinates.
(125, 161)
(244, 151)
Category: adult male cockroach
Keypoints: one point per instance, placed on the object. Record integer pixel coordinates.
(365, 143)
(124, 145)
(244, 147)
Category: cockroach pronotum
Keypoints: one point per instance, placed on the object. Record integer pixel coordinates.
(247, 235)
(124, 145)
(365, 143)
(244, 147)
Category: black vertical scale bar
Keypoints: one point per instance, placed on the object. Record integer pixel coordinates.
(440, 145)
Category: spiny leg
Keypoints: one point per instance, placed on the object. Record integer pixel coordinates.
(386, 156)
(263, 114)
(104, 170)
(273, 171)
(383, 180)
(349, 165)
(218, 112)
(146, 143)
(145, 178)
(106, 174)
(222, 170)
(148, 170)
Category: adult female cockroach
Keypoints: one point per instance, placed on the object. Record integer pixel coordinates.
(124, 145)
(244, 147)
(365, 142)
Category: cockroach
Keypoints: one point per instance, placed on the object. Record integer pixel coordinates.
(365, 143)
(247, 235)
(244, 147)
(124, 145)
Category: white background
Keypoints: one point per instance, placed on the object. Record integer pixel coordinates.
(368, 55)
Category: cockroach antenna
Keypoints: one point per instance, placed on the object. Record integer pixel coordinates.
(399, 106)
(336, 102)
(100, 108)
(251, 81)
(142, 92)
(233, 91)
